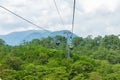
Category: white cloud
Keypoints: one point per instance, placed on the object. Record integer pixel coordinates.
(96, 17)
(59, 27)
(93, 5)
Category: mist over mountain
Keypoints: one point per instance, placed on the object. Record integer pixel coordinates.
(16, 38)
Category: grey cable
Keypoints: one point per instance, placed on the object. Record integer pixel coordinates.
(23, 18)
(73, 20)
(58, 12)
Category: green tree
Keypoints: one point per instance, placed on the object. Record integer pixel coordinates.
(2, 42)
(95, 76)
(77, 41)
(14, 62)
(30, 77)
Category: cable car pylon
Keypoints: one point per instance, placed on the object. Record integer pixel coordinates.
(70, 34)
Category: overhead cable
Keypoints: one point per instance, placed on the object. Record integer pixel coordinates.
(58, 12)
(23, 18)
(73, 20)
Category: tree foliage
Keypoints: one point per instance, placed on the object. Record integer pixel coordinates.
(95, 58)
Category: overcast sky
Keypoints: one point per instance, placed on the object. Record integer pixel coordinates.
(93, 17)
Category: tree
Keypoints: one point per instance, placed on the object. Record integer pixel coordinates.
(112, 76)
(95, 76)
(30, 77)
(111, 42)
(81, 67)
(79, 77)
(2, 42)
(104, 68)
(77, 41)
(14, 62)
(8, 74)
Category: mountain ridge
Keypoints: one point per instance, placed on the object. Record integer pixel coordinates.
(16, 38)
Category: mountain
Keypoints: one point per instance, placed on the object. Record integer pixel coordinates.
(62, 33)
(16, 38)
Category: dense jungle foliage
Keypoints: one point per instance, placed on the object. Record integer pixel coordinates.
(95, 58)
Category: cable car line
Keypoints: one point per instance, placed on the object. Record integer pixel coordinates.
(61, 19)
(23, 18)
(73, 20)
(69, 34)
(57, 42)
(58, 12)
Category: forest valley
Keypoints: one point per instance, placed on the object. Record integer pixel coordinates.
(95, 58)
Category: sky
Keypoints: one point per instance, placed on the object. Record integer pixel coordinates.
(92, 17)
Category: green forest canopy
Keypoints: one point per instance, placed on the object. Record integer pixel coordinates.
(91, 59)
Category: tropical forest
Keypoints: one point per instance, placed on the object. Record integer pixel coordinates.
(89, 58)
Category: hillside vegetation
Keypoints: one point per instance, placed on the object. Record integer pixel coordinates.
(91, 59)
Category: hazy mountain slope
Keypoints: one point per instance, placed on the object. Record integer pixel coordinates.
(17, 38)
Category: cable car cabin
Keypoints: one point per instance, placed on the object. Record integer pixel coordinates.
(57, 42)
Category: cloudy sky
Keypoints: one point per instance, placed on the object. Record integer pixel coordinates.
(93, 17)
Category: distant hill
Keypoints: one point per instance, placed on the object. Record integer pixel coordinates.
(61, 33)
(16, 38)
